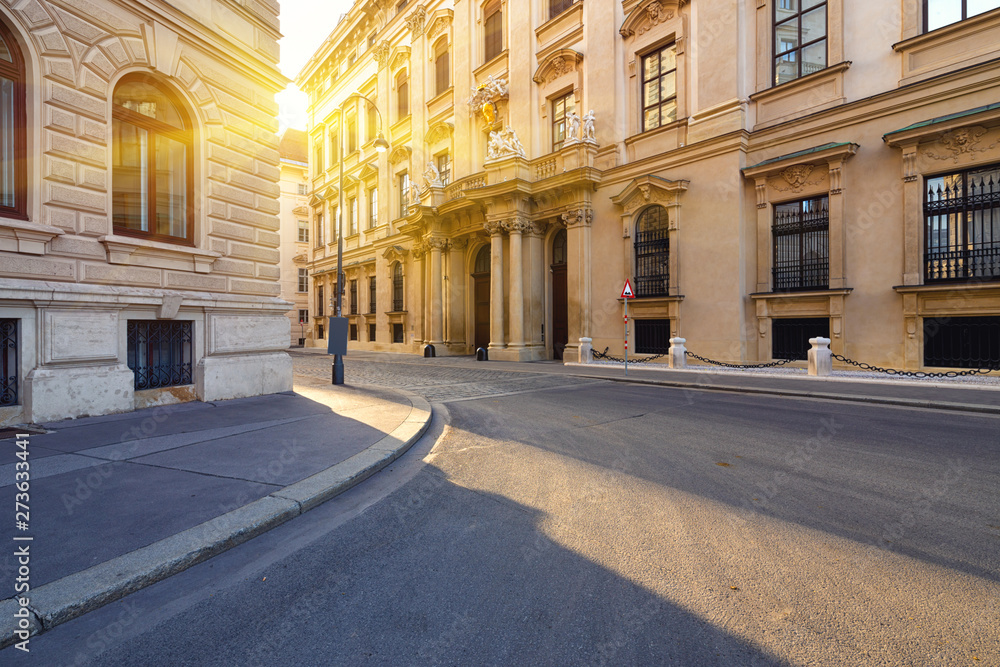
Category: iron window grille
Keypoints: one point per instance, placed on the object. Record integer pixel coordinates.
(659, 87)
(939, 13)
(790, 336)
(652, 336)
(354, 297)
(371, 295)
(962, 342)
(801, 238)
(799, 38)
(159, 353)
(371, 333)
(320, 305)
(397, 332)
(962, 225)
(9, 346)
(353, 332)
(652, 253)
(397, 287)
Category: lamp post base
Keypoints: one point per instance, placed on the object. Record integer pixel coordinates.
(338, 369)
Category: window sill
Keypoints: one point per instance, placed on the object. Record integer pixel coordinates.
(157, 254)
(25, 237)
(487, 67)
(951, 47)
(444, 95)
(807, 94)
(804, 294)
(566, 23)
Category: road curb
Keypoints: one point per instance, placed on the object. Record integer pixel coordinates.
(65, 599)
(876, 400)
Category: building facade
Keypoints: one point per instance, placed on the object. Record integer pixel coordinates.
(138, 206)
(295, 227)
(761, 172)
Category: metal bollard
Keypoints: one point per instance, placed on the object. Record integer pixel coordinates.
(482, 354)
(820, 357)
(429, 351)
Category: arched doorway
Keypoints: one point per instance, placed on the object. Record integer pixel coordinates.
(560, 302)
(481, 297)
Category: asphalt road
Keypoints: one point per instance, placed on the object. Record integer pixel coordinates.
(609, 524)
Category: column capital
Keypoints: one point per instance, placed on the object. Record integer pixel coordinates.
(517, 225)
(578, 216)
(494, 227)
(419, 249)
(436, 243)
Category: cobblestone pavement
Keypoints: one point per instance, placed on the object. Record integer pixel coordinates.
(440, 380)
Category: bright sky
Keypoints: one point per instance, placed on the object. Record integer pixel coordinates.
(304, 24)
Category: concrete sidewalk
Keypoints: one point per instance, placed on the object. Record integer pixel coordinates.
(121, 501)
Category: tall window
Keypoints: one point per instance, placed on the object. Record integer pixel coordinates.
(444, 168)
(652, 253)
(401, 5)
(962, 225)
(152, 162)
(659, 88)
(371, 39)
(801, 237)
(353, 291)
(320, 302)
(303, 315)
(557, 7)
(560, 107)
(320, 230)
(404, 193)
(318, 154)
(402, 95)
(13, 146)
(442, 67)
(352, 134)
(303, 231)
(371, 297)
(352, 216)
(303, 280)
(492, 31)
(397, 287)
(939, 13)
(371, 122)
(799, 38)
(335, 145)
(303, 189)
(373, 208)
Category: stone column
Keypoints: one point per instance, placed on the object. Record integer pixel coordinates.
(515, 227)
(455, 294)
(419, 309)
(535, 292)
(436, 305)
(495, 230)
(578, 223)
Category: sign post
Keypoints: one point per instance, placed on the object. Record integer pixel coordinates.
(627, 294)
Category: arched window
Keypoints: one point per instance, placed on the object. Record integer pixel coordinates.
(442, 67)
(13, 129)
(402, 95)
(652, 253)
(559, 248)
(397, 287)
(483, 260)
(152, 163)
(492, 30)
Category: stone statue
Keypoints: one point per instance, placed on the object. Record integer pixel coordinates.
(432, 177)
(513, 144)
(504, 143)
(572, 128)
(588, 128)
(415, 194)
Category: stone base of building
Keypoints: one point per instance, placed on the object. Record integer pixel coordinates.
(51, 394)
(240, 376)
(526, 353)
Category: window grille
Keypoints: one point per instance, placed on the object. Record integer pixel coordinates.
(962, 225)
(354, 296)
(371, 333)
(159, 353)
(652, 336)
(9, 347)
(652, 253)
(790, 336)
(353, 333)
(962, 342)
(801, 237)
(397, 287)
(397, 332)
(320, 305)
(371, 295)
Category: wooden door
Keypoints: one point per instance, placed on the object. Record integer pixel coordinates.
(560, 301)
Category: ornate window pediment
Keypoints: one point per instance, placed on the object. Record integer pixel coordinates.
(439, 132)
(556, 64)
(395, 253)
(439, 22)
(400, 154)
(647, 15)
(648, 190)
(809, 171)
(400, 58)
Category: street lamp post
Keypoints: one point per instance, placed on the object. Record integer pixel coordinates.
(381, 145)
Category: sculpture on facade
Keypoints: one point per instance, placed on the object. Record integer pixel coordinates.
(572, 128)
(492, 90)
(432, 177)
(588, 128)
(504, 143)
(414, 194)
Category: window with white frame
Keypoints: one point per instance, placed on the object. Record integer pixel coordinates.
(799, 38)
(560, 107)
(303, 231)
(303, 280)
(939, 13)
(373, 208)
(659, 87)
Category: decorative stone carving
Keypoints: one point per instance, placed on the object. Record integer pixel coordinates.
(381, 53)
(538, 228)
(460, 243)
(795, 178)
(588, 128)
(395, 253)
(420, 249)
(960, 141)
(579, 216)
(504, 144)
(517, 225)
(432, 177)
(493, 227)
(492, 90)
(399, 154)
(438, 26)
(437, 243)
(414, 195)
(438, 132)
(415, 21)
(642, 22)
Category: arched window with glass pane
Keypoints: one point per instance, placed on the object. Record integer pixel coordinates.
(652, 253)
(13, 129)
(152, 160)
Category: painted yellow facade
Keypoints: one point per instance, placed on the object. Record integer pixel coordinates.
(745, 179)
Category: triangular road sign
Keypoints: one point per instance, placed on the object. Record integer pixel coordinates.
(627, 291)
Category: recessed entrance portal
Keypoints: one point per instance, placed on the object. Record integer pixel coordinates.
(560, 314)
(481, 297)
